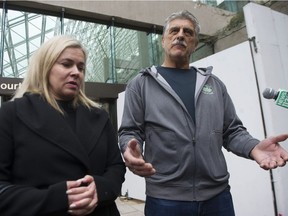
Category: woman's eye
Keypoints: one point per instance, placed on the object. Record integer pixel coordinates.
(81, 69)
(67, 65)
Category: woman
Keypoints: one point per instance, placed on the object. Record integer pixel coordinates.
(58, 151)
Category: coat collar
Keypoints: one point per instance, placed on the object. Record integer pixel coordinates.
(45, 121)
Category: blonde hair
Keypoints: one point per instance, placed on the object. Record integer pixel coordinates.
(36, 80)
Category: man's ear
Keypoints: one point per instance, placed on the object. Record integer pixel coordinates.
(196, 44)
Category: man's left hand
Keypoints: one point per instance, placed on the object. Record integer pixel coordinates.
(269, 154)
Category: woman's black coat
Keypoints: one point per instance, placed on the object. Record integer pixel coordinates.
(39, 152)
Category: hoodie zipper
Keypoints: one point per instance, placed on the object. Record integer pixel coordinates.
(197, 93)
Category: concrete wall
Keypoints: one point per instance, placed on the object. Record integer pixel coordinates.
(239, 34)
(231, 39)
(150, 15)
(139, 13)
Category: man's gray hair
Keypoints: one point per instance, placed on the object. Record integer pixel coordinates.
(183, 15)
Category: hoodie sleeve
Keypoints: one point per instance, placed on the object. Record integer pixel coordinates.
(236, 137)
(132, 125)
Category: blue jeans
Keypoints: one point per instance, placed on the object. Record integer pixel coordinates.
(220, 205)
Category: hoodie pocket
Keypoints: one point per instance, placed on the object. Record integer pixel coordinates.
(161, 150)
(218, 167)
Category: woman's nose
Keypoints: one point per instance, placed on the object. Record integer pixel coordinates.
(75, 70)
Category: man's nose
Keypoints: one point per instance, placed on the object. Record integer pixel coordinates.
(180, 35)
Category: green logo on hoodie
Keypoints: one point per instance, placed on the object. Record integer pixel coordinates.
(207, 89)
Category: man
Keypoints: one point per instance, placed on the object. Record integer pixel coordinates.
(185, 116)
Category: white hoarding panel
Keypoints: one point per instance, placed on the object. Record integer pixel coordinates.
(250, 185)
(270, 30)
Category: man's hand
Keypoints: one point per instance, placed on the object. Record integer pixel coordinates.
(135, 162)
(269, 154)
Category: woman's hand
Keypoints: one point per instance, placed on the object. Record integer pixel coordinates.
(82, 196)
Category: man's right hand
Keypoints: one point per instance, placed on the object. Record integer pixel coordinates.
(135, 162)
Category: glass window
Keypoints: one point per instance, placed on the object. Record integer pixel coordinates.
(96, 40)
(155, 49)
(135, 50)
(115, 55)
(131, 53)
(24, 33)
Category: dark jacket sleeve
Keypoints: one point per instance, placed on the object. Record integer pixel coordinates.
(23, 199)
(109, 184)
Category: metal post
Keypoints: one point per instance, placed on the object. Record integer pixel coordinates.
(4, 12)
(62, 20)
(112, 49)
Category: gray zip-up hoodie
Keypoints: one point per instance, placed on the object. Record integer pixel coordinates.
(187, 156)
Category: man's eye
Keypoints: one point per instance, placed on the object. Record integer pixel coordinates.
(189, 32)
(173, 30)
